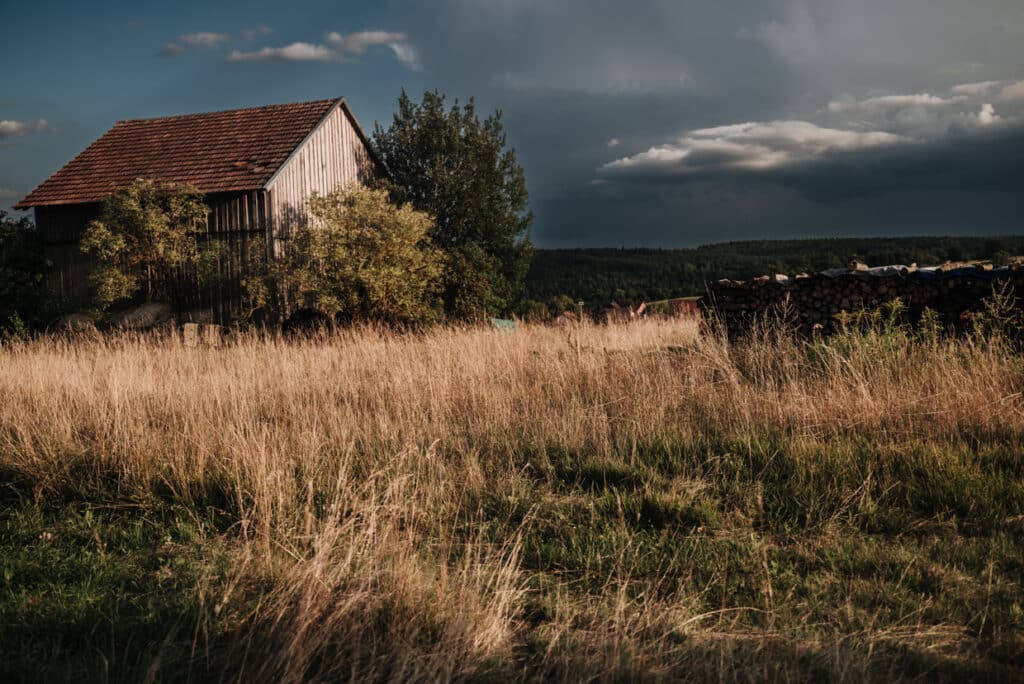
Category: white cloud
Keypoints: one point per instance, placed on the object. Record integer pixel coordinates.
(925, 116)
(358, 43)
(407, 55)
(254, 33)
(8, 193)
(9, 129)
(749, 146)
(171, 50)
(296, 52)
(335, 48)
(204, 39)
(614, 142)
(976, 89)
(883, 103)
(1012, 93)
(985, 117)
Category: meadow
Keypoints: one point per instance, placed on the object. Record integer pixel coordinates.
(607, 503)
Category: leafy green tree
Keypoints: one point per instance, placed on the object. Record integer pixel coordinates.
(363, 258)
(457, 168)
(533, 311)
(23, 295)
(561, 303)
(146, 242)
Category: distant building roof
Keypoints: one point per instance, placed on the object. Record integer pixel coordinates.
(225, 151)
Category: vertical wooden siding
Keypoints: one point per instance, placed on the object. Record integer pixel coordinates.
(235, 221)
(233, 212)
(60, 229)
(334, 156)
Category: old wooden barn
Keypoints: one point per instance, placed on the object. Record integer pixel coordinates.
(257, 167)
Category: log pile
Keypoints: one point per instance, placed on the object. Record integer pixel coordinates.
(812, 302)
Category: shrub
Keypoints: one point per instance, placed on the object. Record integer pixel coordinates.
(23, 295)
(363, 258)
(145, 241)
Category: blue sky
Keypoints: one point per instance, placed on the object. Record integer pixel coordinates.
(655, 122)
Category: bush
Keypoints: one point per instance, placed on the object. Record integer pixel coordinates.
(363, 258)
(145, 241)
(23, 295)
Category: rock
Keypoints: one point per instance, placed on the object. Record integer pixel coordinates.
(143, 316)
(190, 335)
(75, 322)
(198, 316)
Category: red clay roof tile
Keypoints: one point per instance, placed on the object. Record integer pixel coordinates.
(216, 152)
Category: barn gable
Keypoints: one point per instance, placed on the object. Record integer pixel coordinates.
(336, 153)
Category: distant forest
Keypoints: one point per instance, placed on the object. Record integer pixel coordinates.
(601, 276)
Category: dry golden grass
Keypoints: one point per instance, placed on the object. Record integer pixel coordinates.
(629, 502)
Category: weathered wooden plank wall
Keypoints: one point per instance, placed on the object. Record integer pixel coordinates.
(236, 221)
(237, 224)
(334, 156)
(60, 228)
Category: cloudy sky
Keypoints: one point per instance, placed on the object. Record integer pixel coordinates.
(653, 122)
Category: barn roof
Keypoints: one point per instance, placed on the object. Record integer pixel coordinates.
(228, 151)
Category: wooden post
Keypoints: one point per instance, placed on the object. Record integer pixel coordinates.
(190, 335)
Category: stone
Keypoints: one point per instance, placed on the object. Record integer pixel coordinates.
(198, 316)
(190, 335)
(143, 317)
(74, 322)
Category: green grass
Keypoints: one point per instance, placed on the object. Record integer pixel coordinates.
(102, 592)
(840, 538)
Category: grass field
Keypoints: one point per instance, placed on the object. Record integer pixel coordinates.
(611, 503)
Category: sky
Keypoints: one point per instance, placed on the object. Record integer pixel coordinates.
(658, 123)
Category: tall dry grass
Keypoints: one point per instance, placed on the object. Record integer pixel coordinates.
(379, 487)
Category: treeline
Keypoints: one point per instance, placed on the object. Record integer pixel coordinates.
(601, 276)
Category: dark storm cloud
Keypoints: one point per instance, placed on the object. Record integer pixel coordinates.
(976, 162)
(850, 106)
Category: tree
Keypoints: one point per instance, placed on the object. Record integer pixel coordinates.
(448, 163)
(533, 311)
(145, 240)
(360, 257)
(23, 295)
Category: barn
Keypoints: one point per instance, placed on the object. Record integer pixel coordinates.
(256, 168)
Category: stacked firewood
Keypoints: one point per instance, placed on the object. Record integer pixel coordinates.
(816, 302)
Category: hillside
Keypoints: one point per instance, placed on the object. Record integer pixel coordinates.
(599, 276)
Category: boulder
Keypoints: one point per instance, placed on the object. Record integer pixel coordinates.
(74, 322)
(198, 316)
(142, 317)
